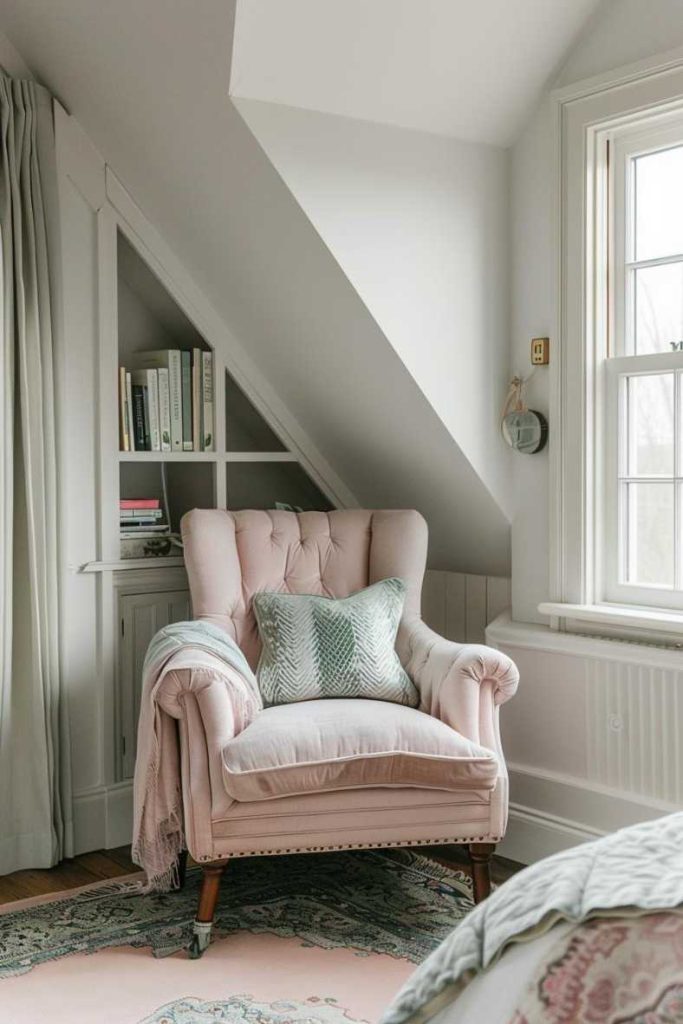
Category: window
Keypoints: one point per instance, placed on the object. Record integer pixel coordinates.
(641, 252)
(616, 494)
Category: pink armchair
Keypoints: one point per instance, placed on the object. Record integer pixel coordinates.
(341, 774)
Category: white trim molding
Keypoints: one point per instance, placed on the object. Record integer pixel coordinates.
(620, 616)
(536, 829)
(504, 633)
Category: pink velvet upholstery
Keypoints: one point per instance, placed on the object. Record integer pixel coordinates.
(303, 777)
(323, 745)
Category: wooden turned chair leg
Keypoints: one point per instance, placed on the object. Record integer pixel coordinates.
(480, 858)
(208, 898)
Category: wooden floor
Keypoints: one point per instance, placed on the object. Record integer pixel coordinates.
(70, 874)
(94, 867)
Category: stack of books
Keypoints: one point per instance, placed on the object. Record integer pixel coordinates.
(167, 402)
(144, 529)
(141, 515)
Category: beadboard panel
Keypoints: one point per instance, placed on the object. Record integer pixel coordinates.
(460, 606)
(633, 728)
(592, 738)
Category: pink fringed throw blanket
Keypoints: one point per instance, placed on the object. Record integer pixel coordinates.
(158, 835)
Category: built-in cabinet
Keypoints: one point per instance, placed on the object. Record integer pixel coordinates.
(124, 291)
(141, 615)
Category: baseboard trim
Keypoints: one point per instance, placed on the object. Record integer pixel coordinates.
(103, 817)
(532, 835)
(587, 811)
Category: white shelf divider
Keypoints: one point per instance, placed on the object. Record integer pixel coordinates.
(261, 457)
(168, 456)
(167, 562)
(207, 457)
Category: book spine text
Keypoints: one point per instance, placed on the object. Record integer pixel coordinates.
(186, 370)
(164, 409)
(207, 440)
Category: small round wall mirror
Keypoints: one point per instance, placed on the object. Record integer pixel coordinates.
(525, 430)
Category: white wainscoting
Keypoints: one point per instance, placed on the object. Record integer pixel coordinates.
(634, 728)
(460, 606)
(592, 737)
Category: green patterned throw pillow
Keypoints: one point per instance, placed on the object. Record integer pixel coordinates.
(321, 647)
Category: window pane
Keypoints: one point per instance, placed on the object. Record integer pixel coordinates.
(649, 521)
(659, 307)
(659, 204)
(651, 425)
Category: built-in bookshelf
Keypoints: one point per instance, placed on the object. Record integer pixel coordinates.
(125, 291)
(247, 464)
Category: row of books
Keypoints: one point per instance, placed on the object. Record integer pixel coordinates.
(142, 515)
(167, 402)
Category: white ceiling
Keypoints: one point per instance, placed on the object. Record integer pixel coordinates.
(455, 67)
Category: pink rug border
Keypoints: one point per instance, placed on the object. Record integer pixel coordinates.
(49, 897)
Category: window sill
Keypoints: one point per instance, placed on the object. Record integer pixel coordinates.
(623, 617)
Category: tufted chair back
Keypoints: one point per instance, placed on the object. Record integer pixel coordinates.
(230, 556)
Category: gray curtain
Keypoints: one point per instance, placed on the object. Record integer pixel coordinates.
(35, 793)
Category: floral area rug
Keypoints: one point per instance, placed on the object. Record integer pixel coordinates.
(313, 939)
(243, 1010)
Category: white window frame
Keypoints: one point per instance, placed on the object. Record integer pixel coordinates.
(619, 349)
(587, 116)
(617, 371)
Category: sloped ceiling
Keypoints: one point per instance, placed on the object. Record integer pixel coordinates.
(149, 83)
(469, 70)
(419, 224)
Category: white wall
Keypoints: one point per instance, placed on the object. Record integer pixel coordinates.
(532, 314)
(139, 329)
(622, 31)
(450, 67)
(419, 224)
(11, 60)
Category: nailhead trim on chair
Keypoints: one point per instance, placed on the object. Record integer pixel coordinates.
(460, 840)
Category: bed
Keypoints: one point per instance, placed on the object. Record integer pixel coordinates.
(594, 934)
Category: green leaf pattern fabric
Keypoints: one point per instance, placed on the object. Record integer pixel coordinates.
(316, 647)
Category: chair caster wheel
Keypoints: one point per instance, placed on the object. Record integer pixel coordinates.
(199, 943)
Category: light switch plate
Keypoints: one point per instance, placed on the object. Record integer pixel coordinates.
(540, 351)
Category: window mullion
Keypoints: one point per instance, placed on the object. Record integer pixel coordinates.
(658, 261)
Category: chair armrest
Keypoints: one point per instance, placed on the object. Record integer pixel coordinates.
(463, 685)
(194, 674)
(208, 698)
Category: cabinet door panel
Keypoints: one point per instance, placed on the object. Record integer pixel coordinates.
(141, 615)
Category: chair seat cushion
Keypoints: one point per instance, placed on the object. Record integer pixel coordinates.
(335, 744)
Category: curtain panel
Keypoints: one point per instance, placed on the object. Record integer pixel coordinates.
(35, 787)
